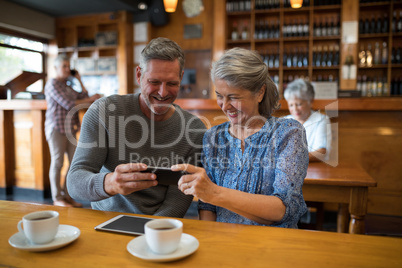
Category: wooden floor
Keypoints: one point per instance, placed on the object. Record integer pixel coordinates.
(375, 224)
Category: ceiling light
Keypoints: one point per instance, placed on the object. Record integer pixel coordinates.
(170, 5)
(142, 6)
(296, 3)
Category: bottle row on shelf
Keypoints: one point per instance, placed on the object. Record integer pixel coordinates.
(238, 5)
(271, 29)
(375, 25)
(324, 27)
(396, 86)
(295, 59)
(246, 5)
(376, 86)
(267, 29)
(324, 56)
(270, 59)
(367, 58)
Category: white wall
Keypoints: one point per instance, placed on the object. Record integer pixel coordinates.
(22, 19)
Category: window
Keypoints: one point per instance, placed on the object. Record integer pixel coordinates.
(19, 54)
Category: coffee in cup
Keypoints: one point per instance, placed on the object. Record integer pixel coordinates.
(39, 227)
(163, 235)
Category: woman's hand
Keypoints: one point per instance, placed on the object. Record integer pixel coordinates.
(196, 182)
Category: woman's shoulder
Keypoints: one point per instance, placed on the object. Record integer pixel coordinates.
(286, 122)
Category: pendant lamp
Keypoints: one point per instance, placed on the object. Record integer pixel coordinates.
(170, 5)
(296, 3)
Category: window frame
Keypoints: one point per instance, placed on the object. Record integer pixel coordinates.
(33, 38)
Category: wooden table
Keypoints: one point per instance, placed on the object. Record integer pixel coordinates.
(221, 245)
(344, 184)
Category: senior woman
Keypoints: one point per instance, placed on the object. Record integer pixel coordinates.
(300, 95)
(254, 165)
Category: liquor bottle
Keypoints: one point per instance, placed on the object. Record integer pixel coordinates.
(300, 28)
(314, 55)
(289, 60)
(385, 88)
(385, 24)
(319, 29)
(248, 5)
(294, 28)
(241, 5)
(324, 56)
(374, 87)
(261, 30)
(277, 32)
(257, 4)
(318, 58)
(366, 26)
(399, 27)
(285, 58)
(306, 28)
(369, 56)
(324, 28)
(362, 57)
(372, 25)
(294, 58)
(384, 54)
(276, 62)
(266, 30)
(377, 54)
(361, 26)
(271, 60)
(244, 33)
(266, 58)
(364, 86)
(336, 56)
(235, 33)
(378, 24)
(369, 87)
(379, 87)
(330, 56)
(398, 55)
(305, 57)
(315, 27)
(284, 29)
(393, 26)
(359, 83)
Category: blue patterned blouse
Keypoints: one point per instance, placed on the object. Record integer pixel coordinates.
(274, 162)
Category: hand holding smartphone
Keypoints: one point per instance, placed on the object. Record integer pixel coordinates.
(165, 176)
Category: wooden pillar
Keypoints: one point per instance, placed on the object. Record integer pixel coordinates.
(349, 13)
(40, 151)
(7, 155)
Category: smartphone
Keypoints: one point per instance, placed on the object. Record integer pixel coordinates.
(125, 224)
(73, 72)
(165, 176)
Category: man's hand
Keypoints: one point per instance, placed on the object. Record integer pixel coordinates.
(127, 179)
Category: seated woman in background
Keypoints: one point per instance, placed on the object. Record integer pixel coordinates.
(254, 165)
(300, 96)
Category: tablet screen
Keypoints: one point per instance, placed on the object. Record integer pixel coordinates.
(124, 224)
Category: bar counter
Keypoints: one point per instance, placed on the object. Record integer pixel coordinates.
(221, 245)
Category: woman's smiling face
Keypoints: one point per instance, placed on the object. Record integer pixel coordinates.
(239, 105)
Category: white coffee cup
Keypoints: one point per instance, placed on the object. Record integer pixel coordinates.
(39, 227)
(163, 235)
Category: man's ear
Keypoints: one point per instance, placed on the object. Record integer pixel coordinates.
(138, 74)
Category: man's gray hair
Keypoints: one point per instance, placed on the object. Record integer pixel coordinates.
(245, 69)
(300, 89)
(161, 49)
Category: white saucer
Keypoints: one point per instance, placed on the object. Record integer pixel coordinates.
(64, 236)
(139, 248)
